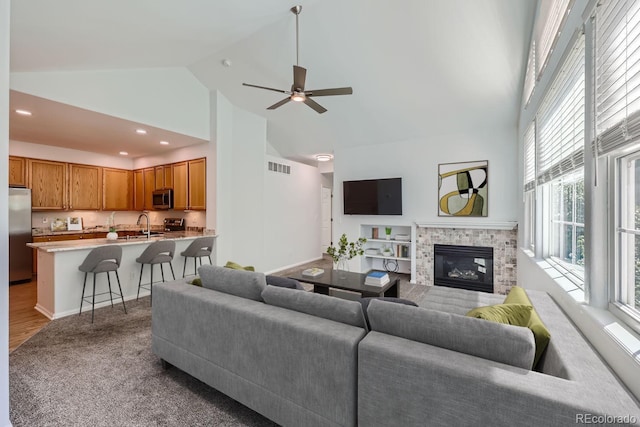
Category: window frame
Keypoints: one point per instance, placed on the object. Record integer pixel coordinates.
(619, 161)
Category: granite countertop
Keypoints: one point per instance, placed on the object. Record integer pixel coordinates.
(97, 229)
(72, 245)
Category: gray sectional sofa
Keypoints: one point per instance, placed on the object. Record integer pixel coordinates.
(303, 359)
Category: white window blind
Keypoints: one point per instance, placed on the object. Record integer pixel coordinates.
(530, 157)
(560, 119)
(548, 25)
(530, 75)
(617, 73)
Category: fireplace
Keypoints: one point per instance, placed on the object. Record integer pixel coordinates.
(464, 267)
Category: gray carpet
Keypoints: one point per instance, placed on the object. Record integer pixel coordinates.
(76, 373)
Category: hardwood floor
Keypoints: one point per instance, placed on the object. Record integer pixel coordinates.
(24, 320)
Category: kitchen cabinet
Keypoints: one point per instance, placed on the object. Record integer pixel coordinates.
(85, 187)
(198, 184)
(48, 183)
(164, 177)
(138, 190)
(189, 185)
(180, 185)
(117, 189)
(149, 175)
(17, 171)
(144, 184)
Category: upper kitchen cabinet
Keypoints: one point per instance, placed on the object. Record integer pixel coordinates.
(85, 187)
(144, 184)
(17, 171)
(198, 184)
(48, 183)
(138, 190)
(117, 189)
(164, 177)
(189, 185)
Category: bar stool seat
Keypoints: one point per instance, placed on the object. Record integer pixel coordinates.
(103, 259)
(160, 252)
(199, 248)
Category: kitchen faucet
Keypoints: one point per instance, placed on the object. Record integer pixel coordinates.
(148, 232)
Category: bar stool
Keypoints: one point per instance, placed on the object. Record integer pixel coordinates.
(102, 259)
(159, 252)
(200, 247)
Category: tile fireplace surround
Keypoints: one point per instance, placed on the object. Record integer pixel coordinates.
(502, 237)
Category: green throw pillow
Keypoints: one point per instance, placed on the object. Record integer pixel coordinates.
(518, 295)
(197, 281)
(236, 266)
(510, 314)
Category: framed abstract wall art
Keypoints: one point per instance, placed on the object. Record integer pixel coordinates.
(463, 189)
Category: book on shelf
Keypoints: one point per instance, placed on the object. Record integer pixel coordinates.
(312, 272)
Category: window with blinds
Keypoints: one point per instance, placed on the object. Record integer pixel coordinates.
(617, 42)
(530, 157)
(560, 120)
(551, 17)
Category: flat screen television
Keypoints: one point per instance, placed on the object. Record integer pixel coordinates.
(373, 197)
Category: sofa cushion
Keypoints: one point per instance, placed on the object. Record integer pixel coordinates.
(283, 282)
(518, 295)
(502, 343)
(241, 283)
(337, 309)
(510, 314)
(366, 301)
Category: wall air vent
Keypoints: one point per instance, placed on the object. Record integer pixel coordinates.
(279, 167)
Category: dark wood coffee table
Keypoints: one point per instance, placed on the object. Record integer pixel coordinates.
(348, 281)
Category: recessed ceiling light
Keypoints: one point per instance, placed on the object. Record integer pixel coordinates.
(164, 143)
(124, 153)
(324, 157)
(141, 131)
(24, 112)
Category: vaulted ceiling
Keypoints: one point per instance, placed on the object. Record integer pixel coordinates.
(418, 68)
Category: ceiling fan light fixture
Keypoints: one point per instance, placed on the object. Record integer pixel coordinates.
(298, 97)
(323, 157)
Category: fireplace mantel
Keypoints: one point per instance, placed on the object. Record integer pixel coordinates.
(470, 224)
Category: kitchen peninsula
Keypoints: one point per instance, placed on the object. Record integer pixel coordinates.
(60, 281)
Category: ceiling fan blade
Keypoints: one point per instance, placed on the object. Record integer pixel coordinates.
(267, 88)
(313, 104)
(299, 77)
(330, 92)
(279, 104)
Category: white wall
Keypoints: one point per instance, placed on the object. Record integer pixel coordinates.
(49, 152)
(263, 220)
(4, 213)
(291, 215)
(167, 98)
(416, 162)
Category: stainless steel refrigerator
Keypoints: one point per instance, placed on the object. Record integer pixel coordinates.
(20, 255)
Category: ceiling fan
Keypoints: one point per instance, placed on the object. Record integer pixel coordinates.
(297, 92)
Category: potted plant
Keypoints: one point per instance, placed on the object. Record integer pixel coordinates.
(345, 251)
(112, 235)
(387, 231)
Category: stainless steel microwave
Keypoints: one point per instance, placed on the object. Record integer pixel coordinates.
(163, 199)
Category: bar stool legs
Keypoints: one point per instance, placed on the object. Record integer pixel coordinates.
(93, 296)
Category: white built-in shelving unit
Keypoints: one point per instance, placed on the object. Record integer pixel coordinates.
(392, 254)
